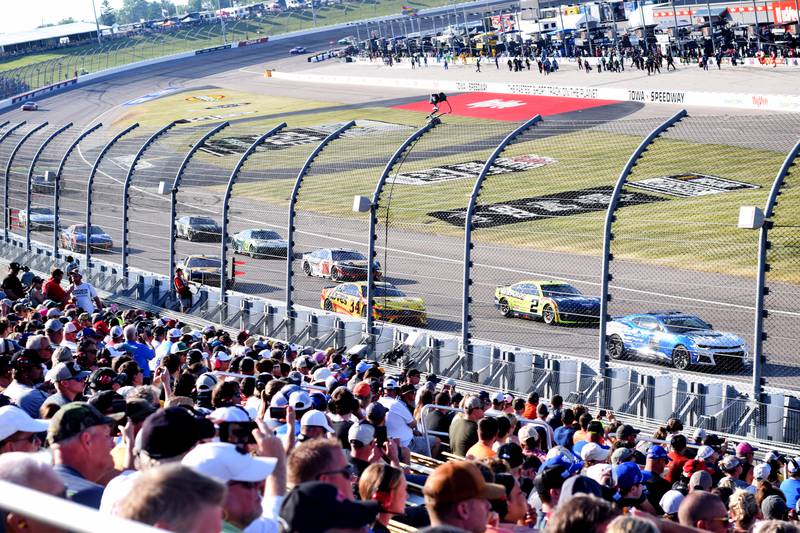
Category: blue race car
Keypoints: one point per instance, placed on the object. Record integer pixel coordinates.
(680, 339)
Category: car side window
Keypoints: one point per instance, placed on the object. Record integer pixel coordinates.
(326, 254)
(648, 323)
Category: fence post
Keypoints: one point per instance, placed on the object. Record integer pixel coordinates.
(57, 183)
(291, 215)
(608, 237)
(8, 169)
(373, 216)
(173, 198)
(90, 185)
(126, 192)
(226, 201)
(763, 245)
(466, 299)
(35, 159)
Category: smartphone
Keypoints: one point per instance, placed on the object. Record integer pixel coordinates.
(381, 435)
(277, 413)
(239, 433)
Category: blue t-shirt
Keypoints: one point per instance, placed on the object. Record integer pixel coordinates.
(791, 489)
(141, 353)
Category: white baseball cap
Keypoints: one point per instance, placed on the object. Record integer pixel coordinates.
(599, 471)
(316, 418)
(300, 400)
(222, 461)
(115, 331)
(53, 324)
(498, 397)
(761, 471)
(671, 501)
(175, 332)
(229, 414)
(14, 419)
(70, 327)
(361, 432)
(390, 383)
(321, 374)
(594, 452)
(704, 452)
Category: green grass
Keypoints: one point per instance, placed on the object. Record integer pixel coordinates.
(39, 69)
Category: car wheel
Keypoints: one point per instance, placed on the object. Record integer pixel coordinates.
(549, 315)
(328, 306)
(615, 347)
(335, 275)
(189, 236)
(505, 309)
(681, 358)
(306, 268)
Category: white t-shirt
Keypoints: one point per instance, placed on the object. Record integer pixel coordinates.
(398, 419)
(84, 295)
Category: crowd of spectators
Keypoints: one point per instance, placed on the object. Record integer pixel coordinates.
(197, 430)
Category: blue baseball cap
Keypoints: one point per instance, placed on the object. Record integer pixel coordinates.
(627, 475)
(563, 436)
(657, 452)
(578, 446)
(363, 366)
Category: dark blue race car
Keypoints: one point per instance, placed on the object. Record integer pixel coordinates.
(681, 339)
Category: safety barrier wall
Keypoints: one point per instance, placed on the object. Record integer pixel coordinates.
(460, 252)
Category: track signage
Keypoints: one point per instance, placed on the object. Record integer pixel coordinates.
(691, 185)
(471, 169)
(543, 207)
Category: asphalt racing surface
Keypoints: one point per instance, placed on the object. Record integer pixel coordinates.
(427, 265)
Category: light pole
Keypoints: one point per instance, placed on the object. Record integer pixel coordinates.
(96, 23)
(677, 31)
(221, 22)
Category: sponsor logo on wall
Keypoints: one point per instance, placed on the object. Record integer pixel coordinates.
(212, 49)
(691, 185)
(658, 97)
(561, 204)
(297, 137)
(471, 169)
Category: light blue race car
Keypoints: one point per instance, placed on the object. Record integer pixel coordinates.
(681, 339)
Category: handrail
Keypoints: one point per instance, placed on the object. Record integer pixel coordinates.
(63, 513)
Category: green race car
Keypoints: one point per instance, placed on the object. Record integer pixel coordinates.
(260, 243)
(554, 302)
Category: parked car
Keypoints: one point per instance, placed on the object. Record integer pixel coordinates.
(30, 106)
(260, 243)
(198, 228)
(74, 238)
(681, 339)
(204, 269)
(41, 218)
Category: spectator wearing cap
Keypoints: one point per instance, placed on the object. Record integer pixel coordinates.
(25, 470)
(70, 336)
(18, 431)
(487, 435)
(657, 486)
(791, 485)
(731, 468)
(457, 495)
(165, 348)
(547, 484)
(677, 457)
(629, 480)
(244, 475)
(703, 510)
(626, 436)
(321, 460)
(700, 481)
(593, 453)
(54, 330)
(81, 440)
(463, 431)
(52, 287)
(745, 452)
(774, 508)
(11, 284)
(761, 473)
(41, 345)
(498, 404)
(511, 453)
(26, 373)
(529, 441)
(314, 425)
(555, 418)
(175, 498)
(315, 507)
(83, 293)
(69, 380)
(776, 462)
(400, 422)
(140, 352)
(669, 503)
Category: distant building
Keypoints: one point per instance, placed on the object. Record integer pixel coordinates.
(49, 37)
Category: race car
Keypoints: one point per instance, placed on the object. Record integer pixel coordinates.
(41, 218)
(338, 264)
(681, 339)
(198, 228)
(74, 238)
(257, 243)
(204, 269)
(389, 304)
(554, 302)
(298, 50)
(30, 106)
(41, 184)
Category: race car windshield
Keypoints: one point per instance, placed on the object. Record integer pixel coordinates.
(95, 230)
(203, 263)
(201, 220)
(347, 256)
(553, 291)
(265, 235)
(684, 323)
(388, 292)
(41, 211)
